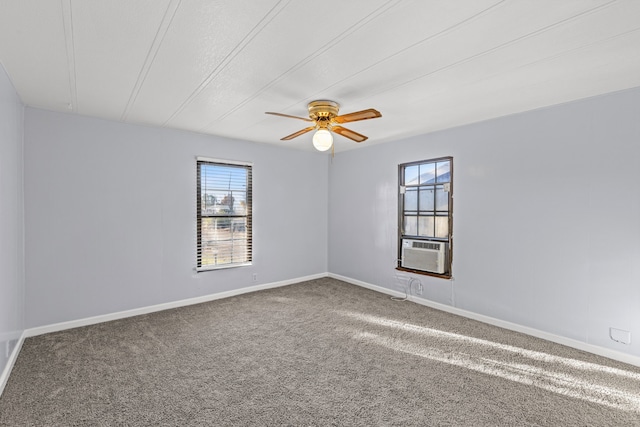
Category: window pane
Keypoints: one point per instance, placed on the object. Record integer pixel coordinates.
(427, 173)
(442, 199)
(411, 199)
(223, 177)
(426, 199)
(425, 226)
(222, 188)
(444, 171)
(411, 175)
(442, 226)
(411, 225)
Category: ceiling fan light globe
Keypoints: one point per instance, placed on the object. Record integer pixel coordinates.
(322, 140)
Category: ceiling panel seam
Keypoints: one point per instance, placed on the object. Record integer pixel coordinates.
(429, 38)
(575, 49)
(328, 46)
(496, 48)
(247, 39)
(67, 22)
(161, 33)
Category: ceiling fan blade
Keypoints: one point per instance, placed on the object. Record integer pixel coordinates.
(296, 134)
(292, 117)
(358, 115)
(347, 133)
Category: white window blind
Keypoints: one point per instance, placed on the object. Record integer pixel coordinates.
(224, 226)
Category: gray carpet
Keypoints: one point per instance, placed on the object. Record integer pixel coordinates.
(312, 354)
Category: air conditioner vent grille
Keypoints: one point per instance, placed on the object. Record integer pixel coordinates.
(426, 245)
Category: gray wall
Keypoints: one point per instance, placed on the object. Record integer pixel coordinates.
(546, 217)
(110, 214)
(11, 220)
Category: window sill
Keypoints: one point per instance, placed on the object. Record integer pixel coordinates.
(425, 273)
(221, 267)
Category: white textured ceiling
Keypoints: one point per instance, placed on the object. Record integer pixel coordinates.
(215, 66)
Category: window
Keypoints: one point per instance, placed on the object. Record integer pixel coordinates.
(223, 214)
(425, 200)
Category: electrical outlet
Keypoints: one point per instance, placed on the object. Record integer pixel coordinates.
(255, 277)
(419, 289)
(620, 335)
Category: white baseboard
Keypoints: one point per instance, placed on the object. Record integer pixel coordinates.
(368, 285)
(580, 345)
(4, 376)
(40, 330)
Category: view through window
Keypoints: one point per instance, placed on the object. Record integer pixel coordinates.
(425, 216)
(223, 214)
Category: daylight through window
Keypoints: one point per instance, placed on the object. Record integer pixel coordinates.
(223, 214)
(425, 216)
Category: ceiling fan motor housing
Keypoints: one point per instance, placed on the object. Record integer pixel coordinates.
(323, 111)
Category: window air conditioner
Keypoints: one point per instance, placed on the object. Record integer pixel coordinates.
(423, 255)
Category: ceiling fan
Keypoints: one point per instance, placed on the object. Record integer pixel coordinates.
(324, 116)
